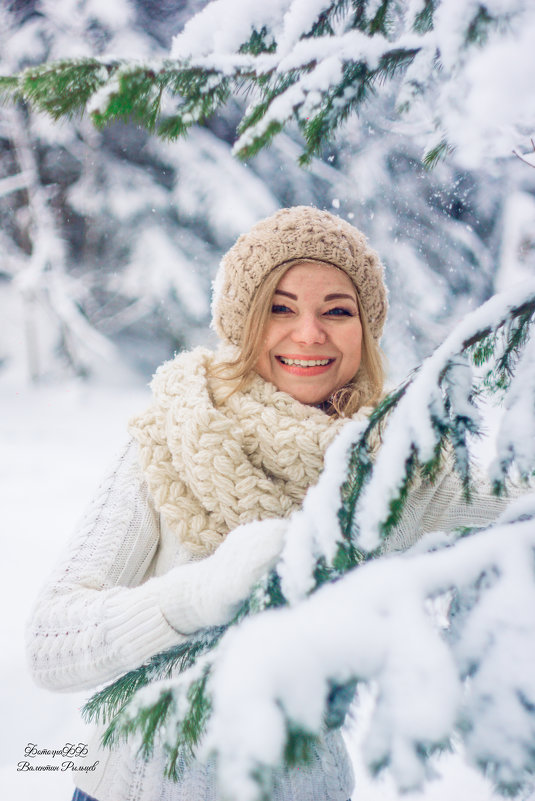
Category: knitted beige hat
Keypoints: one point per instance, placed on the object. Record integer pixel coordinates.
(300, 232)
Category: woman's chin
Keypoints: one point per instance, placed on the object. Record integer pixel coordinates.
(305, 395)
(309, 391)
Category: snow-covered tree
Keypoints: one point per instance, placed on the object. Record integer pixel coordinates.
(34, 252)
(84, 213)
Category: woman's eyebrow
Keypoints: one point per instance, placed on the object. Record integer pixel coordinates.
(338, 295)
(332, 296)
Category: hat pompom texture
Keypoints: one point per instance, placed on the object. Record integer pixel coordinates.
(299, 232)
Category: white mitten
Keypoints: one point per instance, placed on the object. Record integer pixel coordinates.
(209, 592)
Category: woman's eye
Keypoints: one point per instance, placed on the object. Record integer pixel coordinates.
(339, 311)
(279, 308)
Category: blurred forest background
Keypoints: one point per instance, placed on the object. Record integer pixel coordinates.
(109, 240)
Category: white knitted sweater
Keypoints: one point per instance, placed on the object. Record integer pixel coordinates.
(99, 616)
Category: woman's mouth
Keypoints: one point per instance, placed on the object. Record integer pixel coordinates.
(304, 367)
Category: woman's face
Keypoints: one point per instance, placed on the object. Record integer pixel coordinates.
(312, 342)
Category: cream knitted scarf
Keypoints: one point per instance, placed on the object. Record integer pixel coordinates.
(212, 464)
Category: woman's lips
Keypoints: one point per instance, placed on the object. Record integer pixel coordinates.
(310, 366)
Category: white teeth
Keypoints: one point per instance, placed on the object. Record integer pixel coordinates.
(305, 362)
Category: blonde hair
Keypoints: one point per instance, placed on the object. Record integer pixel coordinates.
(366, 387)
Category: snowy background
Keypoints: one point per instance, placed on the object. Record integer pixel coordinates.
(108, 244)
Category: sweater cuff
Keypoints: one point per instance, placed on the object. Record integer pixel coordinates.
(139, 629)
(178, 608)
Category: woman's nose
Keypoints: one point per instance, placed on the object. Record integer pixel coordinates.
(308, 331)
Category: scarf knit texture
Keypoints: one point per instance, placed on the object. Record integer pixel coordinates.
(214, 462)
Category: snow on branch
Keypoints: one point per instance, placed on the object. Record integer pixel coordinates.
(417, 425)
(14, 183)
(372, 625)
(527, 158)
(463, 73)
(516, 438)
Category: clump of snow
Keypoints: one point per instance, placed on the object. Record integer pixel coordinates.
(491, 102)
(224, 25)
(372, 625)
(99, 100)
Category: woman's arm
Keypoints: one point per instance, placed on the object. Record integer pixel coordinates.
(92, 621)
(442, 506)
(95, 619)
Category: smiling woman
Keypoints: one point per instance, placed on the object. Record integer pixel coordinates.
(195, 511)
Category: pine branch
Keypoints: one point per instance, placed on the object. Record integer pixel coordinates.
(63, 88)
(436, 154)
(360, 463)
(299, 746)
(346, 98)
(479, 28)
(381, 633)
(183, 702)
(331, 109)
(444, 420)
(146, 723)
(423, 22)
(201, 82)
(323, 25)
(9, 86)
(381, 21)
(104, 705)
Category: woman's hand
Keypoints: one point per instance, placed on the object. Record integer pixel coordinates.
(209, 592)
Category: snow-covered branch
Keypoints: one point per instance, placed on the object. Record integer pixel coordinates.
(372, 625)
(414, 426)
(463, 73)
